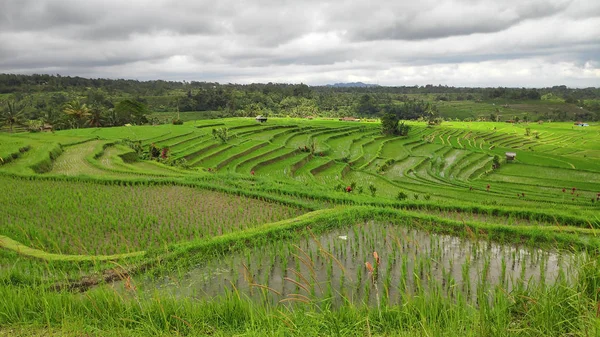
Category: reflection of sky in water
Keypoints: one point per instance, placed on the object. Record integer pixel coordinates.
(411, 261)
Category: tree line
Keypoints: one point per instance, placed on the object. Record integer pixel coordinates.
(13, 83)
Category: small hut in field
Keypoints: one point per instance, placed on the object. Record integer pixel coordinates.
(46, 128)
(511, 156)
(261, 119)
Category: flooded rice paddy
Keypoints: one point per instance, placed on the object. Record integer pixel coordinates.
(369, 263)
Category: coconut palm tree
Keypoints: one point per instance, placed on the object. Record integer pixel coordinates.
(96, 116)
(12, 114)
(78, 111)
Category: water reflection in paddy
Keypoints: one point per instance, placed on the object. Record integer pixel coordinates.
(335, 266)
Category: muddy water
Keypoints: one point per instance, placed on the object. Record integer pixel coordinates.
(332, 267)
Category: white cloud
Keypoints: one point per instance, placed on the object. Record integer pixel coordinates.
(454, 42)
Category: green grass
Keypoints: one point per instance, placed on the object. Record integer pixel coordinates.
(10, 146)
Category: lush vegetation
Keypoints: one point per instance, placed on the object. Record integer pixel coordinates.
(415, 224)
(34, 101)
(123, 218)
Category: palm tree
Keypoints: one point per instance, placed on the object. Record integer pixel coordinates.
(111, 117)
(77, 110)
(96, 116)
(12, 114)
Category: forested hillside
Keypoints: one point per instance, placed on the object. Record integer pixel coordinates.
(29, 101)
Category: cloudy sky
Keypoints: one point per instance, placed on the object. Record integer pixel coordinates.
(515, 43)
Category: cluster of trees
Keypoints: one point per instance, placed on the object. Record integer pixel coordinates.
(393, 115)
(62, 113)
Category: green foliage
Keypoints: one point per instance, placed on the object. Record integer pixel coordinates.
(135, 145)
(496, 161)
(34, 125)
(386, 165)
(372, 189)
(153, 151)
(366, 106)
(389, 124)
(401, 196)
(97, 116)
(46, 95)
(12, 113)
(221, 134)
(394, 113)
(433, 120)
(130, 112)
(78, 112)
(181, 162)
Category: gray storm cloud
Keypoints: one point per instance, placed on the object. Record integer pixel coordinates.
(454, 42)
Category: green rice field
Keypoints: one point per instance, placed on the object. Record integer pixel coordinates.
(298, 227)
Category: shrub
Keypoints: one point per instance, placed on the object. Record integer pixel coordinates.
(496, 162)
(135, 145)
(401, 196)
(181, 162)
(372, 189)
(177, 121)
(386, 165)
(34, 125)
(153, 151)
(221, 134)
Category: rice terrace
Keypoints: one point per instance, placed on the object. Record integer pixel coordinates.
(432, 215)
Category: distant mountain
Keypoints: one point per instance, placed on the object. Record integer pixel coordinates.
(352, 85)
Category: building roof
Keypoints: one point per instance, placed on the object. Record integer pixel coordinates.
(511, 154)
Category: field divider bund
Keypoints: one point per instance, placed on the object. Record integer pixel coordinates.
(241, 154)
